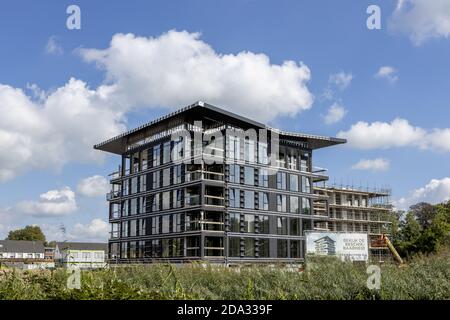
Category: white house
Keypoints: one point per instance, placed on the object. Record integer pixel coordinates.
(24, 254)
(82, 255)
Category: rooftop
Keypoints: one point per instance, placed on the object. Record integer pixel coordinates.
(21, 246)
(94, 246)
(196, 111)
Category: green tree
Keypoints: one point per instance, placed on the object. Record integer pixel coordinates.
(30, 233)
(410, 233)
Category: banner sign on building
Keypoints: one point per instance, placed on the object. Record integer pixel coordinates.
(347, 246)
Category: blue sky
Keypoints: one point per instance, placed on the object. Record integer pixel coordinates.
(410, 54)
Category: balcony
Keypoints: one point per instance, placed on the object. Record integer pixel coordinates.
(112, 195)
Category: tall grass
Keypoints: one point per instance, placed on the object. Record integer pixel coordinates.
(422, 278)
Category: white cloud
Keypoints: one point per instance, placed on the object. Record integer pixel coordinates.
(61, 127)
(93, 186)
(341, 80)
(177, 68)
(388, 73)
(436, 191)
(172, 71)
(53, 47)
(50, 204)
(97, 230)
(335, 114)
(378, 164)
(422, 20)
(398, 133)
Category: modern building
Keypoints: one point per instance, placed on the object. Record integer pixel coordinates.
(81, 255)
(203, 183)
(325, 246)
(351, 209)
(24, 254)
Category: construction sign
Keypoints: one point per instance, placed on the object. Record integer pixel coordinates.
(347, 246)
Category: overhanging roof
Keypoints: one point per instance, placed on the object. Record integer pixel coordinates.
(118, 144)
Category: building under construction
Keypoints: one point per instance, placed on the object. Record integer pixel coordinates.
(349, 209)
(206, 184)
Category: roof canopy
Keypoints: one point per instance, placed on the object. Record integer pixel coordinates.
(201, 111)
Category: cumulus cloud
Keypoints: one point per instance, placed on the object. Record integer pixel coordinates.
(50, 204)
(388, 73)
(335, 114)
(421, 20)
(436, 191)
(341, 80)
(96, 230)
(53, 47)
(378, 164)
(59, 128)
(173, 70)
(177, 68)
(93, 186)
(398, 133)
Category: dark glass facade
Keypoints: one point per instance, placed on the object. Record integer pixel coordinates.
(222, 200)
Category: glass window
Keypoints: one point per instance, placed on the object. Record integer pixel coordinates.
(295, 248)
(235, 222)
(133, 227)
(142, 183)
(165, 224)
(263, 224)
(125, 211)
(249, 199)
(155, 225)
(306, 184)
(156, 177)
(166, 200)
(125, 187)
(306, 206)
(166, 177)
(282, 249)
(263, 178)
(294, 205)
(125, 229)
(249, 150)
(292, 162)
(135, 162)
(133, 206)
(177, 152)
(156, 155)
(281, 203)
(177, 174)
(263, 153)
(281, 180)
(249, 176)
(166, 152)
(235, 175)
(293, 182)
(177, 196)
(249, 223)
(134, 185)
(282, 225)
(234, 245)
(294, 227)
(156, 202)
(234, 198)
(263, 201)
(233, 147)
(263, 246)
(249, 247)
(144, 160)
(304, 162)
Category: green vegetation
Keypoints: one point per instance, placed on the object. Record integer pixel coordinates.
(425, 228)
(424, 277)
(29, 233)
